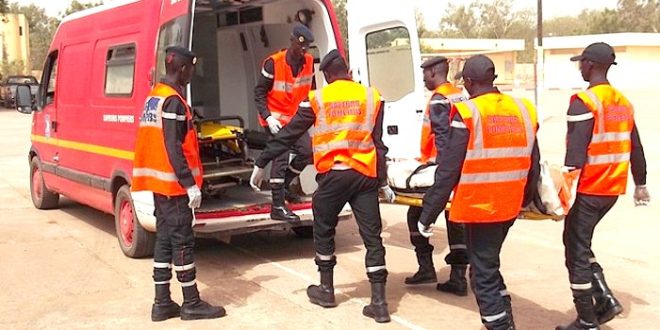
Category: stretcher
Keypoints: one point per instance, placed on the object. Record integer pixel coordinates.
(410, 179)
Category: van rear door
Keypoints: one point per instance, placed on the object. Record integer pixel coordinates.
(384, 53)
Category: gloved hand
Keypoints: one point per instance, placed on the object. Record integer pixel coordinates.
(641, 196)
(273, 124)
(257, 177)
(194, 197)
(387, 193)
(425, 231)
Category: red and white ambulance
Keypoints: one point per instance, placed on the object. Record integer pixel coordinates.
(103, 61)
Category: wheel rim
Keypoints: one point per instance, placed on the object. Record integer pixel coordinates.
(36, 184)
(126, 222)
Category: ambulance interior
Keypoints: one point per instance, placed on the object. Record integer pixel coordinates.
(231, 40)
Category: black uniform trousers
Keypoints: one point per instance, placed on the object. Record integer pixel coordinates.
(484, 241)
(303, 157)
(579, 227)
(335, 189)
(455, 236)
(175, 240)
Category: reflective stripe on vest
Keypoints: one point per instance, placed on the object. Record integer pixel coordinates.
(344, 123)
(152, 170)
(491, 186)
(608, 154)
(288, 91)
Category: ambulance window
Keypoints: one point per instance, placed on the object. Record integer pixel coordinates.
(120, 70)
(49, 79)
(390, 62)
(171, 34)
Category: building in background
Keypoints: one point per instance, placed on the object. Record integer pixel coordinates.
(637, 55)
(14, 42)
(501, 51)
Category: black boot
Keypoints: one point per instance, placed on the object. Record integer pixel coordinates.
(377, 310)
(503, 323)
(323, 294)
(279, 210)
(607, 306)
(194, 308)
(426, 272)
(585, 309)
(164, 308)
(457, 283)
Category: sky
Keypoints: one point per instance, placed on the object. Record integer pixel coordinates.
(432, 9)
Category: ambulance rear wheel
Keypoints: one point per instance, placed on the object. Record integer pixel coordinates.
(42, 198)
(134, 240)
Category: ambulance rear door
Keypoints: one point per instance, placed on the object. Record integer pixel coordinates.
(384, 53)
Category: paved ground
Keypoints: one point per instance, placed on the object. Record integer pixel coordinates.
(63, 268)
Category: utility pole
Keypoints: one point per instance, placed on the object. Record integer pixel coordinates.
(538, 62)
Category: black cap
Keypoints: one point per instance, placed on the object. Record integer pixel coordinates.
(598, 52)
(431, 62)
(479, 68)
(184, 53)
(303, 34)
(332, 56)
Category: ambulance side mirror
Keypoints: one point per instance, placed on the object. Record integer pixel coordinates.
(24, 101)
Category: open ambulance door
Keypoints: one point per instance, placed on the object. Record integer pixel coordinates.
(384, 53)
(174, 29)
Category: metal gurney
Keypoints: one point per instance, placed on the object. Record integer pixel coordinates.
(410, 179)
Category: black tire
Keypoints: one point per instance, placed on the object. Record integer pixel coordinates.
(303, 231)
(134, 241)
(42, 198)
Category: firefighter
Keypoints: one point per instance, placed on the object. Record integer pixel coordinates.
(602, 142)
(435, 133)
(346, 127)
(167, 163)
(492, 162)
(286, 78)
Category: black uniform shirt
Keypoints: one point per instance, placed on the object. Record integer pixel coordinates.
(439, 107)
(300, 124)
(175, 128)
(266, 79)
(578, 137)
(450, 165)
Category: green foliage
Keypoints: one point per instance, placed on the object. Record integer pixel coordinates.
(41, 28)
(340, 12)
(78, 6)
(3, 6)
(13, 68)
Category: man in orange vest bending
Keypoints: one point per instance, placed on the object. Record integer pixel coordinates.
(492, 164)
(435, 133)
(167, 163)
(349, 155)
(602, 142)
(286, 79)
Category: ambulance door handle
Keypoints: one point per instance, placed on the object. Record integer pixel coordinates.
(56, 158)
(53, 125)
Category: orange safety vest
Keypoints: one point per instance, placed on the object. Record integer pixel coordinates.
(428, 150)
(288, 91)
(608, 155)
(152, 170)
(345, 118)
(502, 134)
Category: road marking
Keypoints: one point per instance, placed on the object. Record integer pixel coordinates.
(300, 275)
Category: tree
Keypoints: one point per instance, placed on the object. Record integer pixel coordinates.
(340, 12)
(78, 6)
(3, 6)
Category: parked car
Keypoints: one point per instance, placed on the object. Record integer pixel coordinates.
(8, 89)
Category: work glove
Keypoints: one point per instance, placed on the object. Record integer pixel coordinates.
(273, 124)
(387, 194)
(257, 177)
(194, 197)
(425, 231)
(641, 196)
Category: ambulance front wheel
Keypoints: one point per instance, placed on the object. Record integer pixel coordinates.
(134, 240)
(42, 198)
